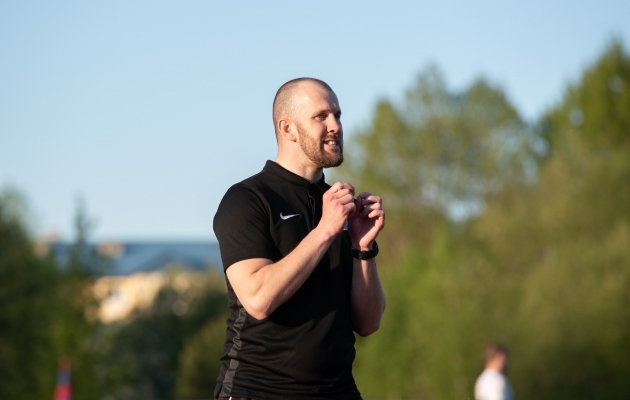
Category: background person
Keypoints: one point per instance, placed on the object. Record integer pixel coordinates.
(492, 383)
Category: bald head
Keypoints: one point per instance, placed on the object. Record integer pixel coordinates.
(284, 104)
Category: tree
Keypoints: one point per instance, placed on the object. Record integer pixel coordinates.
(439, 154)
(43, 315)
(596, 107)
(199, 361)
(543, 267)
(28, 286)
(141, 355)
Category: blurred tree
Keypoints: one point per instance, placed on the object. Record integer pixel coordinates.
(596, 107)
(544, 267)
(140, 355)
(43, 313)
(438, 155)
(28, 284)
(76, 323)
(568, 244)
(199, 362)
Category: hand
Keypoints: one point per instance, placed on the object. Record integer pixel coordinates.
(338, 205)
(367, 220)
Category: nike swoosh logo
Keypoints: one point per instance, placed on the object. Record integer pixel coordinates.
(288, 216)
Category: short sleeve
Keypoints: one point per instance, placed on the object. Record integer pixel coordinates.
(241, 226)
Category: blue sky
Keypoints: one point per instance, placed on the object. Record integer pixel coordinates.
(150, 110)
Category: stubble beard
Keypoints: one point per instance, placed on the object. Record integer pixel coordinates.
(314, 151)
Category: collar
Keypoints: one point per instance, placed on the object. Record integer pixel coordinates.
(278, 170)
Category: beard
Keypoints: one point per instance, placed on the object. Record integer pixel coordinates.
(314, 151)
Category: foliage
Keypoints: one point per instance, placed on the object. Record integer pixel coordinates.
(199, 362)
(27, 294)
(596, 107)
(140, 355)
(42, 318)
(49, 313)
(544, 267)
(439, 154)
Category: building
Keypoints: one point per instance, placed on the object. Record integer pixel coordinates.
(136, 271)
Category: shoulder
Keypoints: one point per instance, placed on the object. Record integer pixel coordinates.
(489, 385)
(490, 377)
(241, 224)
(243, 200)
(247, 192)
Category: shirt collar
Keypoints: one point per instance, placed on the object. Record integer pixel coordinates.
(278, 170)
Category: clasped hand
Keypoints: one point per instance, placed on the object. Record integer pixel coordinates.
(364, 214)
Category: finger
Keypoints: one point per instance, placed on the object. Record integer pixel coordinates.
(346, 198)
(376, 214)
(373, 201)
(357, 209)
(366, 209)
(336, 187)
(343, 194)
(369, 196)
(371, 211)
(346, 185)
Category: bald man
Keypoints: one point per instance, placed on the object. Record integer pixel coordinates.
(299, 259)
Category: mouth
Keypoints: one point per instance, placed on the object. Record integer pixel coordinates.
(332, 144)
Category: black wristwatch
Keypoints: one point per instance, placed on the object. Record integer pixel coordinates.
(366, 255)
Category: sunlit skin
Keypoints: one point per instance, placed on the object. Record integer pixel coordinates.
(498, 363)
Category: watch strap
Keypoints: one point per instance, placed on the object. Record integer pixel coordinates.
(365, 254)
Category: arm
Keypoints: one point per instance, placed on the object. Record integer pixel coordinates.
(367, 297)
(262, 285)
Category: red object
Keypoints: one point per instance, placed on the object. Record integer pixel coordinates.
(63, 390)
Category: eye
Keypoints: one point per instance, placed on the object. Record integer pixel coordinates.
(321, 116)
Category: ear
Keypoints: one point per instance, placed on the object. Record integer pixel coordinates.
(287, 129)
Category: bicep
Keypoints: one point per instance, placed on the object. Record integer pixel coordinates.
(244, 278)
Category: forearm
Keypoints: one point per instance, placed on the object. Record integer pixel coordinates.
(264, 286)
(367, 297)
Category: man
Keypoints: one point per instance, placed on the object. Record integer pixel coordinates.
(492, 384)
(298, 256)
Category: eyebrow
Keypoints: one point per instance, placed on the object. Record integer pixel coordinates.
(327, 110)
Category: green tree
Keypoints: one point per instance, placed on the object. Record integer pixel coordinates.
(43, 314)
(141, 355)
(567, 242)
(28, 285)
(438, 154)
(76, 323)
(199, 361)
(596, 107)
(544, 267)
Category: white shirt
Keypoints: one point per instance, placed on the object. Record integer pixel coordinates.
(493, 385)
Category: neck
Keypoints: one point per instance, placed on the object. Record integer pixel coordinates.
(495, 366)
(309, 172)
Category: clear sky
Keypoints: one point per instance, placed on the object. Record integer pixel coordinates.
(150, 110)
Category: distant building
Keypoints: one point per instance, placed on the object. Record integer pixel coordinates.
(137, 271)
(145, 256)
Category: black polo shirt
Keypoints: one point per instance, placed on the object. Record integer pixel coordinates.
(305, 348)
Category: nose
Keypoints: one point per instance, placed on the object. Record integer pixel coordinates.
(334, 124)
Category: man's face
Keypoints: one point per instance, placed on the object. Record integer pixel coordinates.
(319, 129)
